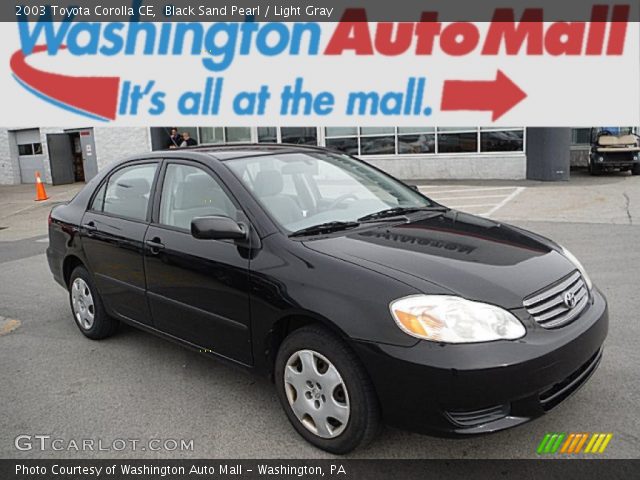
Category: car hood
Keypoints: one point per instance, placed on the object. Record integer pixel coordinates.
(470, 256)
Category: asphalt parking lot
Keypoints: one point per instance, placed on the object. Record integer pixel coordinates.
(135, 386)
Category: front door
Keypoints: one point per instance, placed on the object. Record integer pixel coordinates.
(197, 289)
(112, 234)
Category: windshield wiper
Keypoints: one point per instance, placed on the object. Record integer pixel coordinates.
(396, 211)
(327, 227)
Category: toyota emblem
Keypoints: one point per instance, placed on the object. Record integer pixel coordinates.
(569, 300)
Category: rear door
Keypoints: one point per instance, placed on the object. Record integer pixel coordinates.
(112, 235)
(197, 289)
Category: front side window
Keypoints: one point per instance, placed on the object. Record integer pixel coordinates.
(189, 192)
(300, 190)
(128, 191)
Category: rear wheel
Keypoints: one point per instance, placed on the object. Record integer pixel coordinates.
(87, 308)
(325, 391)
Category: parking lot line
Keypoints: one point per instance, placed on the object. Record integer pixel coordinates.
(433, 189)
(517, 192)
(470, 197)
(472, 206)
(483, 201)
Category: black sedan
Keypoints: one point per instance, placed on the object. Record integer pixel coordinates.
(363, 299)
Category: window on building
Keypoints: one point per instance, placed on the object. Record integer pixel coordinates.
(30, 149)
(237, 134)
(268, 134)
(581, 136)
(457, 139)
(366, 141)
(211, 135)
(377, 140)
(423, 140)
(362, 141)
(28, 142)
(295, 135)
(501, 140)
(416, 140)
(344, 139)
(341, 131)
(299, 135)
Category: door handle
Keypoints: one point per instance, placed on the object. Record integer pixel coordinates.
(155, 245)
(90, 227)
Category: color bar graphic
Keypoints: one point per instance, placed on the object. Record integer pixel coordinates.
(573, 443)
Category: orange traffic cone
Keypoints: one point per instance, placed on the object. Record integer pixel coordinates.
(41, 193)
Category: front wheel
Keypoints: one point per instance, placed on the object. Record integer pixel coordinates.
(593, 169)
(87, 308)
(636, 169)
(325, 391)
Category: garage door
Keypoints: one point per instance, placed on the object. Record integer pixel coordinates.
(30, 154)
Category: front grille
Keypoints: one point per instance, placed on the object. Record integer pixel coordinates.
(472, 418)
(551, 308)
(560, 391)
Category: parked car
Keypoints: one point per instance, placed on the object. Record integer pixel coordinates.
(364, 300)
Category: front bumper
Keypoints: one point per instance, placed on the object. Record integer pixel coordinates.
(615, 160)
(479, 388)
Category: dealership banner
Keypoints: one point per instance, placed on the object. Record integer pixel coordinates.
(338, 468)
(330, 63)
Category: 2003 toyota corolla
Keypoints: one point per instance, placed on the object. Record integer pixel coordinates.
(363, 299)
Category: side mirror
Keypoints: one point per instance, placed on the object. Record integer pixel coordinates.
(217, 228)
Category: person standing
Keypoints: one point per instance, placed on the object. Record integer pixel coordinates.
(175, 139)
(187, 141)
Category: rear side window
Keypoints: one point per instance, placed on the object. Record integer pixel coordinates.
(127, 192)
(98, 200)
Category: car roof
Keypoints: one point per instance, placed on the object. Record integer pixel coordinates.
(240, 150)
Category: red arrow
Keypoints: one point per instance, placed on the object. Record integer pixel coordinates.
(498, 96)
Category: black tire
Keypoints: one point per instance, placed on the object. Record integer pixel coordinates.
(103, 325)
(594, 170)
(364, 416)
(636, 169)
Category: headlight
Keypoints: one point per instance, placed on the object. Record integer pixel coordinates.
(578, 265)
(449, 319)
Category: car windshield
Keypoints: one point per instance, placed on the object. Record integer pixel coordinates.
(303, 190)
